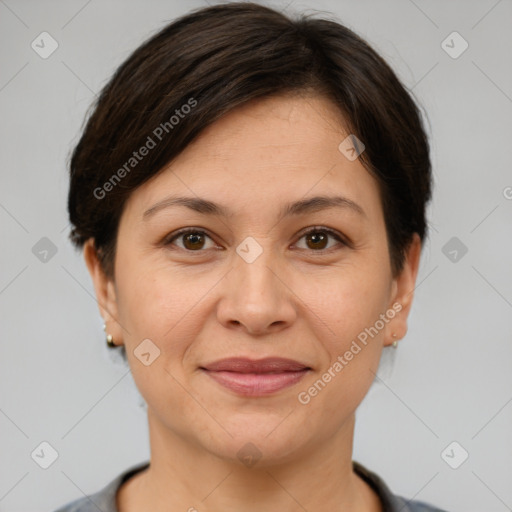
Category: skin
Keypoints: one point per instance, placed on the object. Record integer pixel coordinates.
(299, 299)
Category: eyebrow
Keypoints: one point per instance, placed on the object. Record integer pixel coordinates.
(301, 207)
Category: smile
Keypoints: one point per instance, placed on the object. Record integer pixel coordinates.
(248, 377)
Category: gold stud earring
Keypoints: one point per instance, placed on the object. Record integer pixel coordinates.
(395, 343)
(110, 339)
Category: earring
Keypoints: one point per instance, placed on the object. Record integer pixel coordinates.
(110, 339)
(395, 343)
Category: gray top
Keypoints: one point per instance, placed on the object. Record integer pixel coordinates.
(105, 499)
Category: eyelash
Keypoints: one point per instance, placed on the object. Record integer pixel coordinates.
(316, 229)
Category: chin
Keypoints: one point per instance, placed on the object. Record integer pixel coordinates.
(258, 441)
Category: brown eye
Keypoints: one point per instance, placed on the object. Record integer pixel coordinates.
(191, 240)
(317, 239)
(194, 240)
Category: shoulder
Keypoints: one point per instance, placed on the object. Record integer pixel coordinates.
(83, 505)
(104, 499)
(391, 502)
(414, 506)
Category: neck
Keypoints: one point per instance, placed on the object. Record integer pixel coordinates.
(183, 476)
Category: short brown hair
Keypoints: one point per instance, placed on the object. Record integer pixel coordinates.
(217, 58)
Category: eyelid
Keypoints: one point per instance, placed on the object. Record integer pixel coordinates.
(167, 240)
(343, 240)
(311, 229)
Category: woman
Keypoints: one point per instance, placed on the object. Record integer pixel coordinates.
(250, 197)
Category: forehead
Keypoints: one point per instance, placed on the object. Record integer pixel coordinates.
(268, 151)
(284, 121)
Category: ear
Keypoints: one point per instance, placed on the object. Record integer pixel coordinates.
(403, 292)
(105, 291)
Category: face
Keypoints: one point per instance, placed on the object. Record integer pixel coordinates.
(266, 272)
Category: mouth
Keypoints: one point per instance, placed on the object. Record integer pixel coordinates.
(249, 377)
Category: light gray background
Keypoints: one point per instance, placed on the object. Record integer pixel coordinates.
(452, 377)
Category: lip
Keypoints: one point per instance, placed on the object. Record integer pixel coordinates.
(251, 377)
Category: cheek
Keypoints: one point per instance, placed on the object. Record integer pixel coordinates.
(354, 352)
(348, 303)
(163, 305)
(153, 305)
(351, 347)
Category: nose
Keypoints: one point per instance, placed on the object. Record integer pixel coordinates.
(256, 298)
